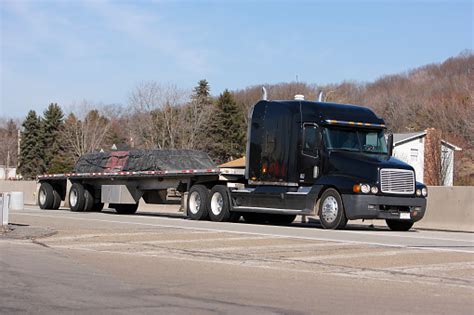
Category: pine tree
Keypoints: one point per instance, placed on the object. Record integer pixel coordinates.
(51, 128)
(202, 90)
(31, 159)
(227, 132)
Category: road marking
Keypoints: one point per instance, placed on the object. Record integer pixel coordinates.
(268, 248)
(254, 233)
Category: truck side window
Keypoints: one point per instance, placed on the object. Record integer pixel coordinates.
(310, 140)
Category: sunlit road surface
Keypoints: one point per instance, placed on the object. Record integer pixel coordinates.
(158, 262)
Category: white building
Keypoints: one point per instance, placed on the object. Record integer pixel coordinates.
(412, 149)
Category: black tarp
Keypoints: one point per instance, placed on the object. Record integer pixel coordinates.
(143, 160)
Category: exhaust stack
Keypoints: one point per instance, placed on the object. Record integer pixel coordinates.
(320, 96)
(264, 94)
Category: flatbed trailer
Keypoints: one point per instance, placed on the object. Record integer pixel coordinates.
(303, 158)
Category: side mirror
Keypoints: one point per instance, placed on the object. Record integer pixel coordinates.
(390, 144)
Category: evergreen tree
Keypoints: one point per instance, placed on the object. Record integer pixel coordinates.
(31, 157)
(51, 128)
(202, 90)
(227, 132)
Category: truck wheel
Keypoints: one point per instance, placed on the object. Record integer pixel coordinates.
(88, 199)
(77, 198)
(219, 205)
(57, 200)
(124, 208)
(281, 219)
(331, 210)
(46, 196)
(197, 202)
(398, 225)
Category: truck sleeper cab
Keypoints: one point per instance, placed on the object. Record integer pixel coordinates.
(325, 159)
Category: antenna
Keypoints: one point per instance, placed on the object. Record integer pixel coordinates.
(264, 93)
(320, 96)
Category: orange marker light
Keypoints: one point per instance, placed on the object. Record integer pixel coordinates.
(356, 188)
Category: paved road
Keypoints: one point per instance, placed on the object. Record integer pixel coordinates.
(159, 262)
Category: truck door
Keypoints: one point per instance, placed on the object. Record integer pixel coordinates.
(310, 153)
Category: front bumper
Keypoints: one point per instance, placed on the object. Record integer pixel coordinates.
(384, 207)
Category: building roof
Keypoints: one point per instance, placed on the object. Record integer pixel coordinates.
(400, 138)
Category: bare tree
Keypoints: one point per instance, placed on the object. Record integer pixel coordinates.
(8, 142)
(154, 119)
(86, 135)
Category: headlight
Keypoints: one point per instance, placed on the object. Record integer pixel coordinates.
(374, 189)
(424, 192)
(364, 188)
(418, 192)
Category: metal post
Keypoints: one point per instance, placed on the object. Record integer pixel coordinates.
(4, 206)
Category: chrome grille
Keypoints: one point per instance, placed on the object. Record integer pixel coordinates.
(397, 181)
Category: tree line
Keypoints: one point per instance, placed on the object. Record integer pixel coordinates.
(164, 116)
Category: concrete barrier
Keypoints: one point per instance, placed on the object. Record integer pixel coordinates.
(28, 187)
(449, 208)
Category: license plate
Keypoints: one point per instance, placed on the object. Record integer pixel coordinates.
(404, 215)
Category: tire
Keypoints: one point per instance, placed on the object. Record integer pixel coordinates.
(124, 208)
(254, 218)
(46, 196)
(57, 200)
(198, 197)
(331, 210)
(77, 198)
(280, 219)
(89, 199)
(399, 225)
(219, 205)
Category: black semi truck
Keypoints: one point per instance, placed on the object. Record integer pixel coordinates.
(303, 158)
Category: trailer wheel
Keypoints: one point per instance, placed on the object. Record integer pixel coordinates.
(124, 208)
(219, 205)
(197, 202)
(398, 225)
(77, 198)
(57, 200)
(46, 196)
(281, 219)
(331, 210)
(88, 199)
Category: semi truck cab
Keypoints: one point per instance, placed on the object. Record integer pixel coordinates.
(325, 159)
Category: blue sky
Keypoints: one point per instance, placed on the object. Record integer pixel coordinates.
(70, 51)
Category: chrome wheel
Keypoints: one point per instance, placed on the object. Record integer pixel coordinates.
(42, 196)
(194, 202)
(73, 198)
(217, 203)
(329, 209)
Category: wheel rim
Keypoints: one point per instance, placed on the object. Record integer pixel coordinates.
(217, 203)
(330, 209)
(73, 198)
(194, 202)
(42, 197)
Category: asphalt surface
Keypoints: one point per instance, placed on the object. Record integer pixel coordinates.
(158, 262)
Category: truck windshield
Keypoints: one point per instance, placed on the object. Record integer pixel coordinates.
(357, 140)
